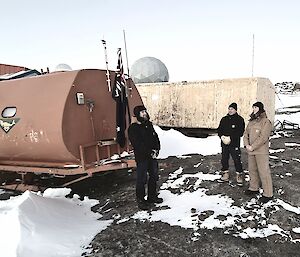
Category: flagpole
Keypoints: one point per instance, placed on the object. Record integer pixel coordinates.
(120, 96)
(121, 70)
(106, 61)
(126, 52)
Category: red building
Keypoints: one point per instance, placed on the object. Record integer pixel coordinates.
(7, 69)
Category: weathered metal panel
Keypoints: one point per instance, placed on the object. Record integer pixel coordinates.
(7, 69)
(202, 104)
(51, 126)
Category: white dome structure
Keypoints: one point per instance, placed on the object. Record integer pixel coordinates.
(62, 67)
(149, 70)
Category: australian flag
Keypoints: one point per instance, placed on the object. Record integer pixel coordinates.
(119, 94)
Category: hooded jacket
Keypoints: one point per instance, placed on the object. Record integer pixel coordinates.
(233, 126)
(144, 139)
(257, 134)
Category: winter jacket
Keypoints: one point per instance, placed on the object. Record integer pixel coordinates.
(144, 139)
(233, 126)
(257, 134)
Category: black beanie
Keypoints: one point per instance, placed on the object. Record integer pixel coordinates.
(233, 105)
(138, 109)
(260, 105)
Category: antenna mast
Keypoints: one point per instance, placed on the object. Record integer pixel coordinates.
(126, 52)
(107, 70)
(252, 54)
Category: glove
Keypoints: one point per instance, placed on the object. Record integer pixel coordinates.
(226, 140)
(154, 153)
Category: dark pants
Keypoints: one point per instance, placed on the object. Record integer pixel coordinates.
(151, 167)
(235, 153)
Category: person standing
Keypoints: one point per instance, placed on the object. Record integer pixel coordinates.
(230, 130)
(256, 141)
(146, 146)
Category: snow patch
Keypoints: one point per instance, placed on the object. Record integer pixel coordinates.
(292, 144)
(191, 207)
(263, 232)
(296, 230)
(276, 150)
(174, 143)
(49, 225)
(288, 207)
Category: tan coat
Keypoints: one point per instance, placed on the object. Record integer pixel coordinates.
(257, 135)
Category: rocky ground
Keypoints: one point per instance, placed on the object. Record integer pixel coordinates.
(128, 236)
(132, 237)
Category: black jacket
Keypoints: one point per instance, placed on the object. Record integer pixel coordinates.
(144, 139)
(233, 126)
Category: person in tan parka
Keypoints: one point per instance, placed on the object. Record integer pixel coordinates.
(256, 141)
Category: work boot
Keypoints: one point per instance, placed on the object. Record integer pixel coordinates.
(239, 179)
(265, 199)
(143, 205)
(225, 176)
(155, 200)
(251, 192)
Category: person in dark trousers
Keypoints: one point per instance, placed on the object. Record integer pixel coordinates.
(230, 130)
(146, 146)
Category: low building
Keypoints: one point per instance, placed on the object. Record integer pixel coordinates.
(8, 69)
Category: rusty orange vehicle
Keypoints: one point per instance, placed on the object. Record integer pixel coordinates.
(61, 123)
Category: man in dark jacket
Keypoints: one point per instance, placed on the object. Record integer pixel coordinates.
(230, 130)
(146, 146)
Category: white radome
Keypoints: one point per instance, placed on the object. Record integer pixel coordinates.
(149, 70)
(63, 67)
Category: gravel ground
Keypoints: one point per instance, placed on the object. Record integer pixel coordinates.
(133, 237)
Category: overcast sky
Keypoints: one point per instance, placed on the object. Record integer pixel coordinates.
(196, 39)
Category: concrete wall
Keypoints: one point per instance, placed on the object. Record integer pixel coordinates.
(201, 104)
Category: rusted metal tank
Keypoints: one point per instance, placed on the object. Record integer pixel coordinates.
(197, 107)
(61, 118)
